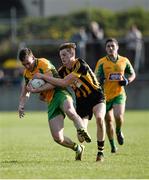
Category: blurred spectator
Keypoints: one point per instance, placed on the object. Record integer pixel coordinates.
(13, 71)
(95, 40)
(95, 32)
(80, 38)
(134, 47)
(11, 63)
(1, 76)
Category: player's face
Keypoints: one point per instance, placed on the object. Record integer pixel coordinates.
(65, 55)
(111, 48)
(28, 62)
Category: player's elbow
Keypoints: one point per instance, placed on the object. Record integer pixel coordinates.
(133, 76)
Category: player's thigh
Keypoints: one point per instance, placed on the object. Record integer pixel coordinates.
(57, 125)
(119, 109)
(68, 105)
(68, 108)
(99, 110)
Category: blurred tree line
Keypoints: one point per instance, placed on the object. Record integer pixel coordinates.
(115, 24)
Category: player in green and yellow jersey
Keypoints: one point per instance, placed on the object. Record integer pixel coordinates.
(59, 101)
(114, 72)
(89, 95)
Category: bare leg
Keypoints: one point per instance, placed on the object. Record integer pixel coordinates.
(69, 109)
(57, 131)
(99, 111)
(119, 110)
(109, 124)
(110, 129)
(85, 122)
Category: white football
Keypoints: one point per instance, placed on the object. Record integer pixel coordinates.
(36, 83)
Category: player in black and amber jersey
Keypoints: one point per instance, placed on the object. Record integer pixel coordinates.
(89, 96)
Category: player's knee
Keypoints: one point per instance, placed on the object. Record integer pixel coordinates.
(119, 116)
(58, 139)
(109, 121)
(109, 124)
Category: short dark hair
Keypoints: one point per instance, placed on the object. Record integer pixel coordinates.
(111, 40)
(67, 45)
(24, 52)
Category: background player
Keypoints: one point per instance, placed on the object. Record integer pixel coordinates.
(114, 72)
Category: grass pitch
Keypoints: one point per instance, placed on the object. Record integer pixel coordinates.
(27, 150)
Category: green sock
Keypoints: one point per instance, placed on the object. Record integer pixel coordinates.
(112, 143)
(118, 130)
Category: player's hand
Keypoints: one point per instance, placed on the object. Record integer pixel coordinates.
(124, 82)
(21, 111)
(42, 97)
(31, 89)
(38, 76)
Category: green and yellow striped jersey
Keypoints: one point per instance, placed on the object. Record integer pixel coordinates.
(42, 66)
(112, 73)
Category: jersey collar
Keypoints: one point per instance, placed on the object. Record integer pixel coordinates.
(35, 64)
(114, 61)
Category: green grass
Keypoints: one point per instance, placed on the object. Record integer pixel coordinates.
(27, 150)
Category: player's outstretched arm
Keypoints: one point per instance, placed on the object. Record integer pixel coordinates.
(23, 98)
(46, 86)
(69, 79)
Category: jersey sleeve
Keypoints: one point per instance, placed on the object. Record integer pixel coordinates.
(26, 80)
(129, 69)
(45, 67)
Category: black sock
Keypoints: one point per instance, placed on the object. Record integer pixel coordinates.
(118, 130)
(100, 145)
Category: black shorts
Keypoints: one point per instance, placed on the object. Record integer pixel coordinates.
(85, 105)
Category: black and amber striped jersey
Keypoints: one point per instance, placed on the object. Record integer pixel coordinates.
(86, 82)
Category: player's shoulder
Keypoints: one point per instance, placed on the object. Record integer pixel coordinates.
(24, 72)
(42, 61)
(101, 60)
(81, 63)
(123, 58)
